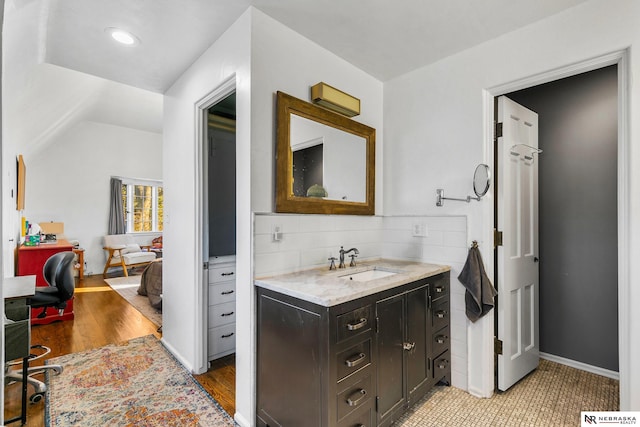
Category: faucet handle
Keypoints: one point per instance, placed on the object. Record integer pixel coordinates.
(353, 260)
(332, 266)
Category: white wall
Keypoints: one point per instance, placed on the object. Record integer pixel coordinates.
(280, 60)
(68, 180)
(183, 329)
(436, 119)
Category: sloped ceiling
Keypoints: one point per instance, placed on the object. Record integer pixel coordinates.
(49, 43)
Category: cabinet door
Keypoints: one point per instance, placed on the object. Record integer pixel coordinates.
(289, 374)
(391, 388)
(417, 339)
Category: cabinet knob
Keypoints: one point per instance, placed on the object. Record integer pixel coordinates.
(440, 339)
(441, 314)
(408, 346)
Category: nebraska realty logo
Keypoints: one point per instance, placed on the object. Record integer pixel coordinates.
(609, 418)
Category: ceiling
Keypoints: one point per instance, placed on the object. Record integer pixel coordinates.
(384, 38)
(61, 66)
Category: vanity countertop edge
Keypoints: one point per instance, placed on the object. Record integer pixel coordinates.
(328, 287)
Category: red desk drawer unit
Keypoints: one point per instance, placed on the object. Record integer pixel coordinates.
(31, 259)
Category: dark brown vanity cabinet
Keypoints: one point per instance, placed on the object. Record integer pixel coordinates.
(359, 363)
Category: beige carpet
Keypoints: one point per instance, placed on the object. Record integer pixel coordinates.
(127, 287)
(553, 395)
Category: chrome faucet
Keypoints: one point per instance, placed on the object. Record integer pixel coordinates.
(342, 252)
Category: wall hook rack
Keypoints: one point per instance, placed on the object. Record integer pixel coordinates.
(528, 157)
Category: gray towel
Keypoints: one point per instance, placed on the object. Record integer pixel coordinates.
(480, 292)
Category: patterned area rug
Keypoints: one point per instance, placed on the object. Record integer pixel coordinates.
(138, 383)
(127, 287)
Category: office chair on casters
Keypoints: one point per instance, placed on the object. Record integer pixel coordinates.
(58, 273)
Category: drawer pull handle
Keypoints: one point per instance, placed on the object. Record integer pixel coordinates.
(227, 314)
(443, 364)
(408, 346)
(355, 360)
(355, 326)
(226, 292)
(357, 397)
(441, 314)
(227, 274)
(439, 289)
(440, 339)
(227, 335)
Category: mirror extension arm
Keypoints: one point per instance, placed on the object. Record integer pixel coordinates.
(440, 198)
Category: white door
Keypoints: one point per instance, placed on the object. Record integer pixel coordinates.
(518, 272)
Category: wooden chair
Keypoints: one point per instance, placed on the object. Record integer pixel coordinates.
(123, 252)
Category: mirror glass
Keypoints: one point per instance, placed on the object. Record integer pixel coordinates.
(329, 159)
(481, 179)
(325, 161)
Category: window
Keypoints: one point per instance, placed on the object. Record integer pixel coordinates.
(142, 201)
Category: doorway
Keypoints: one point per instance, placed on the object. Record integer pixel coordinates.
(218, 144)
(579, 227)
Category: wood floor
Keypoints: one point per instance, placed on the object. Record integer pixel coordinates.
(103, 317)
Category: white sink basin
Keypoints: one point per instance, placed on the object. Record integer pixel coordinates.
(365, 276)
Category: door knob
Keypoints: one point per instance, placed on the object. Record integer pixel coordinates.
(535, 259)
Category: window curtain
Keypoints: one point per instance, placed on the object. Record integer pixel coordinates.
(116, 210)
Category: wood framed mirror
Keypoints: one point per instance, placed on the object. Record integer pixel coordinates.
(325, 162)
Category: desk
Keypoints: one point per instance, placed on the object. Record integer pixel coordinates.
(31, 259)
(15, 291)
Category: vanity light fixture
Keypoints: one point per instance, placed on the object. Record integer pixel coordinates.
(122, 36)
(333, 99)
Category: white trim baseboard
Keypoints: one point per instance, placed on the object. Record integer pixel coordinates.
(582, 366)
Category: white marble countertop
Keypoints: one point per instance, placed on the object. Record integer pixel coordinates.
(331, 287)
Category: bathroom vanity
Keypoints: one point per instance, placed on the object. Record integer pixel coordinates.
(351, 347)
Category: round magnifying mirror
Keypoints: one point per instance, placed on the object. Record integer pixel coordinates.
(481, 179)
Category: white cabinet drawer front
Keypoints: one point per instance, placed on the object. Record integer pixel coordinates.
(222, 292)
(222, 339)
(222, 314)
(222, 273)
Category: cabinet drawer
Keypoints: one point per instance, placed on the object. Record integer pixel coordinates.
(353, 359)
(440, 341)
(354, 322)
(439, 289)
(222, 273)
(222, 339)
(440, 314)
(441, 365)
(361, 418)
(355, 397)
(222, 292)
(17, 330)
(222, 314)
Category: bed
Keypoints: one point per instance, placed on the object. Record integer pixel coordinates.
(151, 283)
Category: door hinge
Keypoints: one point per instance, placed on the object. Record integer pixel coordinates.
(497, 238)
(498, 130)
(497, 345)
(205, 265)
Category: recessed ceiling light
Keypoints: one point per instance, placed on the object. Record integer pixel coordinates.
(122, 36)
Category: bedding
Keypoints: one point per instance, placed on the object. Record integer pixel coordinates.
(151, 283)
